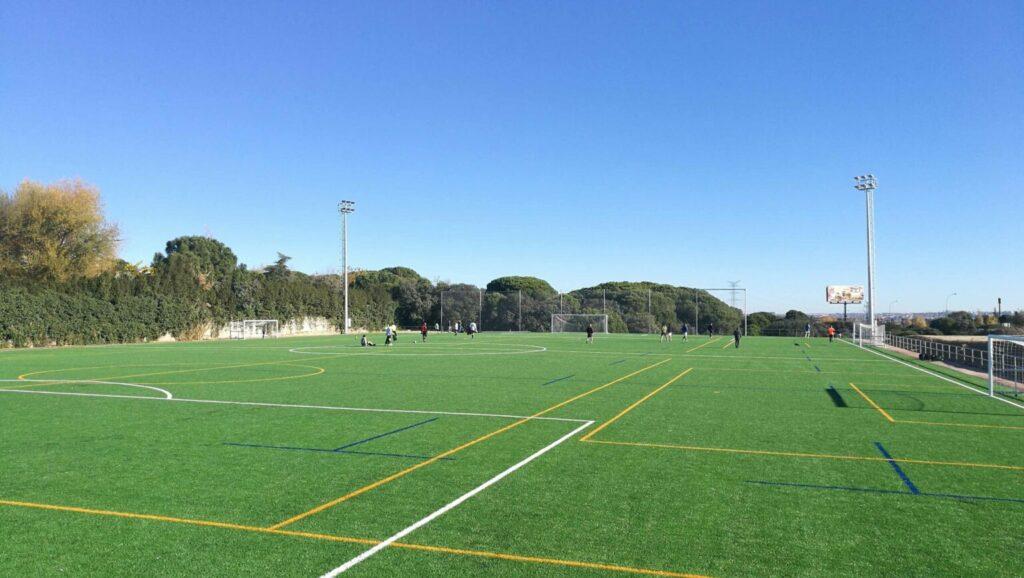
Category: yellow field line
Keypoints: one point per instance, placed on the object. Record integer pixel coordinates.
(873, 404)
(957, 424)
(808, 455)
(706, 343)
(350, 540)
(727, 344)
(807, 344)
(175, 371)
(634, 405)
(443, 455)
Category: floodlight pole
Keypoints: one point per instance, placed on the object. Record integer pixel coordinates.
(953, 294)
(345, 208)
(868, 184)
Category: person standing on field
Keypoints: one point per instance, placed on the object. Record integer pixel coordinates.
(590, 333)
(807, 330)
(831, 333)
(472, 329)
(736, 336)
(664, 333)
(711, 330)
(423, 331)
(685, 331)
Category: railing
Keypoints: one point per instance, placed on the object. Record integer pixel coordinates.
(962, 355)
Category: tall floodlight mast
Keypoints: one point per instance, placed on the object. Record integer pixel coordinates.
(345, 208)
(868, 184)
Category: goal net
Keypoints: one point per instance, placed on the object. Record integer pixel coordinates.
(870, 334)
(1006, 365)
(577, 322)
(253, 329)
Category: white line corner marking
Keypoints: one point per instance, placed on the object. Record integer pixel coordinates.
(455, 503)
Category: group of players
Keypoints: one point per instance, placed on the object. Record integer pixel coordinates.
(391, 333)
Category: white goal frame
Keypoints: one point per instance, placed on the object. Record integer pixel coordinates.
(560, 320)
(1005, 370)
(254, 329)
(875, 334)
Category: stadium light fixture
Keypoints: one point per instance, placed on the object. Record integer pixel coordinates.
(953, 294)
(868, 184)
(345, 208)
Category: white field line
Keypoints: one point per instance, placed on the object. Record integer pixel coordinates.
(933, 374)
(291, 405)
(453, 504)
(395, 353)
(167, 394)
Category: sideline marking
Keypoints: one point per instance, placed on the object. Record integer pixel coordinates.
(807, 455)
(292, 405)
(873, 404)
(453, 504)
(633, 406)
(350, 540)
(556, 380)
(471, 443)
(881, 491)
(933, 374)
(727, 344)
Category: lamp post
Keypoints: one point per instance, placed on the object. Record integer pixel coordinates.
(891, 303)
(953, 294)
(868, 184)
(345, 208)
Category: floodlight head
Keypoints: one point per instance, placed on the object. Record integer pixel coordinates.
(347, 207)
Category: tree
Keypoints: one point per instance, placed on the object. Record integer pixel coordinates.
(280, 266)
(531, 286)
(55, 232)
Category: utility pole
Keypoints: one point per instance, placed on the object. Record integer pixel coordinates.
(345, 208)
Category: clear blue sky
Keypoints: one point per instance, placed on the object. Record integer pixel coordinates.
(689, 143)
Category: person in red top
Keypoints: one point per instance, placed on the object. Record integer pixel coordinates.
(831, 333)
(423, 331)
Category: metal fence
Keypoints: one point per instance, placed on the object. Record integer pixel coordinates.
(962, 355)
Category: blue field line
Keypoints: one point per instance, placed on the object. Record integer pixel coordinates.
(617, 362)
(817, 368)
(559, 379)
(377, 437)
(899, 471)
(344, 449)
(881, 491)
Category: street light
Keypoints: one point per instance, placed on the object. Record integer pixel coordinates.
(345, 208)
(868, 184)
(953, 294)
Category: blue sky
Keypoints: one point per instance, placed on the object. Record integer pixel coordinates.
(689, 143)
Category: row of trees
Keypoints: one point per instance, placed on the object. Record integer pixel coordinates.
(961, 323)
(61, 282)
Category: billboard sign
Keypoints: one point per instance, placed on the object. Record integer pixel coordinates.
(841, 294)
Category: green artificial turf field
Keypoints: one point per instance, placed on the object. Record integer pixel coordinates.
(300, 456)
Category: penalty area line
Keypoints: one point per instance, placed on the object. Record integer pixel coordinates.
(451, 505)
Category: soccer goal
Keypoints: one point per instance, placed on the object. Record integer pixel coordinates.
(873, 334)
(253, 329)
(577, 322)
(1006, 365)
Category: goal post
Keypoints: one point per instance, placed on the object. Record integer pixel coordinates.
(872, 334)
(577, 322)
(1006, 365)
(254, 329)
